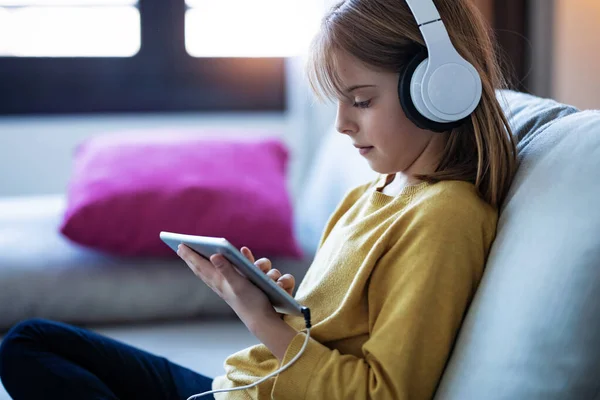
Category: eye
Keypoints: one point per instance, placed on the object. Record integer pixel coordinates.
(362, 104)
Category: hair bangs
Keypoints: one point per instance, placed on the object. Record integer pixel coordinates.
(322, 66)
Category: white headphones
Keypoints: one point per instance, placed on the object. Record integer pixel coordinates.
(438, 89)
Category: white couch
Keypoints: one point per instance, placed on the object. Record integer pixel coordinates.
(532, 332)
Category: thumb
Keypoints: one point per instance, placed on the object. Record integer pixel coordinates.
(223, 266)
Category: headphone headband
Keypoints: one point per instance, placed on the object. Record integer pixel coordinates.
(423, 10)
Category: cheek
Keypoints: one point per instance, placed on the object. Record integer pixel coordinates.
(392, 115)
(398, 131)
(402, 141)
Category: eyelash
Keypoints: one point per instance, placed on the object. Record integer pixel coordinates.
(362, 104)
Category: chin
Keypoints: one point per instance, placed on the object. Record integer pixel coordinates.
(381, 169)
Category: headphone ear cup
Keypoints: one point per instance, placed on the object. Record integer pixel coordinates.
(407, 103)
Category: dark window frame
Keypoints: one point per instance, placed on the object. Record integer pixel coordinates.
(511, 22)
(162, 76)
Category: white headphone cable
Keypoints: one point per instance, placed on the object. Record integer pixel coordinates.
(306, 313)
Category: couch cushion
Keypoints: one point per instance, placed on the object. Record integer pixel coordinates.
(127, 187)
(533, 329)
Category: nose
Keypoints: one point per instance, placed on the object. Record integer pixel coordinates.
(345, 123)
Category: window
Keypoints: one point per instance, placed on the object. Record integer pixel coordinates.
(82, 56)
(69, 28)
(259, 28)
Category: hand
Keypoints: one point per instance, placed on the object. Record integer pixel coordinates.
(248, 301)
(287, 282)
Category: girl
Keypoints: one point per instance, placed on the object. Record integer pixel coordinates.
(398, 263)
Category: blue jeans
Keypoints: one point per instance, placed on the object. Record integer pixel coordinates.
(42, 359)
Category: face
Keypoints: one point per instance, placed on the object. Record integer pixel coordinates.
(372, 117)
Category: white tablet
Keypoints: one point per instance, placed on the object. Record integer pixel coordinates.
(207, 246)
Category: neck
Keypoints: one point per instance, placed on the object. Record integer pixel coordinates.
(395, 183)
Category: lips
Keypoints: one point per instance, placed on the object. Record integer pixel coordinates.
(364, 150)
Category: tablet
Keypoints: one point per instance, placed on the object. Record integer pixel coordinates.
(207, 246)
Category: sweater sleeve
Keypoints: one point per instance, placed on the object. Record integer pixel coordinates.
(418, 294)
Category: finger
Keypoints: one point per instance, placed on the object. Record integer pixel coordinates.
(289, 291)
(248, 254)
(274, 274)
(264, 264)
(287, 282)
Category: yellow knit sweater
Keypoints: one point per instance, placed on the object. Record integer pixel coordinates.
(388, 290)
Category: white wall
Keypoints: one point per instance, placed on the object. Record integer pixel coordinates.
(576, 53)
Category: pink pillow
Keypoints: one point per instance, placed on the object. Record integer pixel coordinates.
(128, 187)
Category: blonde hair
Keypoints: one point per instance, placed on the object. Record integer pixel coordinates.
(384, 34)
